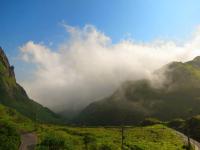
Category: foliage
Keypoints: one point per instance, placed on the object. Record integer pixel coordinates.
(12, 124)
(157, 137)
(96, 138)
(20, 122)
(9, 137)
(52, 141)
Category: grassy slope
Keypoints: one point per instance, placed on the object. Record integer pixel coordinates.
(12, 124)
(20, 122)
(157, 137)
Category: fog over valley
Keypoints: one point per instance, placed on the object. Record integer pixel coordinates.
(88, 66)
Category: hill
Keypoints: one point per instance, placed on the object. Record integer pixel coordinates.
(14, 96)
(136, 100)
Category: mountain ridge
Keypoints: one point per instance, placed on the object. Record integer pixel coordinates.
(136, 100)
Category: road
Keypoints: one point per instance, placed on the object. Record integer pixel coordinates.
(195, 143)
(28, 141)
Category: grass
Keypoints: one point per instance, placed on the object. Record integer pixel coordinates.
(20, 122)
(51, 137)
(12, 124)
(153, 138)
(156, 137)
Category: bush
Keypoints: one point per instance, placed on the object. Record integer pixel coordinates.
(54, 142)
(9, 137)
(88, 138)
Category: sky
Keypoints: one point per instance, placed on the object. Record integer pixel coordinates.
(144, 20)
(38, 35)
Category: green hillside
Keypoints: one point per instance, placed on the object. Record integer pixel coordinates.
(136, 100)
(157, 137)
(14, 96)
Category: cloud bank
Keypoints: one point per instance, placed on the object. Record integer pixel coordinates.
(88, 66)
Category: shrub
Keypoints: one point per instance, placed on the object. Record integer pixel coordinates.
(9, 137)
(88, 138)
(54, 142)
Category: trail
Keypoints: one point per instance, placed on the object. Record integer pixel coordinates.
(28, 141)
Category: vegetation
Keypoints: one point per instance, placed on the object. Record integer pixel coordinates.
(51, 137)
(9, 137)
(53, 141)
(12, 124)
(157, 137)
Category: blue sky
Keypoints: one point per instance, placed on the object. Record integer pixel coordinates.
(40, 21)
(144, 20)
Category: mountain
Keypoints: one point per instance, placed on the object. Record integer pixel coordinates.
(177, 97)
(14, 96)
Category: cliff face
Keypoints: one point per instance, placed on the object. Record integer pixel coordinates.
(3, 58)
(5, 62)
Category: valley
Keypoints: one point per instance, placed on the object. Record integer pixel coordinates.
(114, 123)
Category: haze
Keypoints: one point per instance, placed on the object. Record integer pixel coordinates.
(89, 66)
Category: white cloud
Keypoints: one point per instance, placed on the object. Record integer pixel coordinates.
(88, 66)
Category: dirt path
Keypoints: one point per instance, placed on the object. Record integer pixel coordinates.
(28, 141)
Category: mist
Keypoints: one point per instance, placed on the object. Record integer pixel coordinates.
(89, 66)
